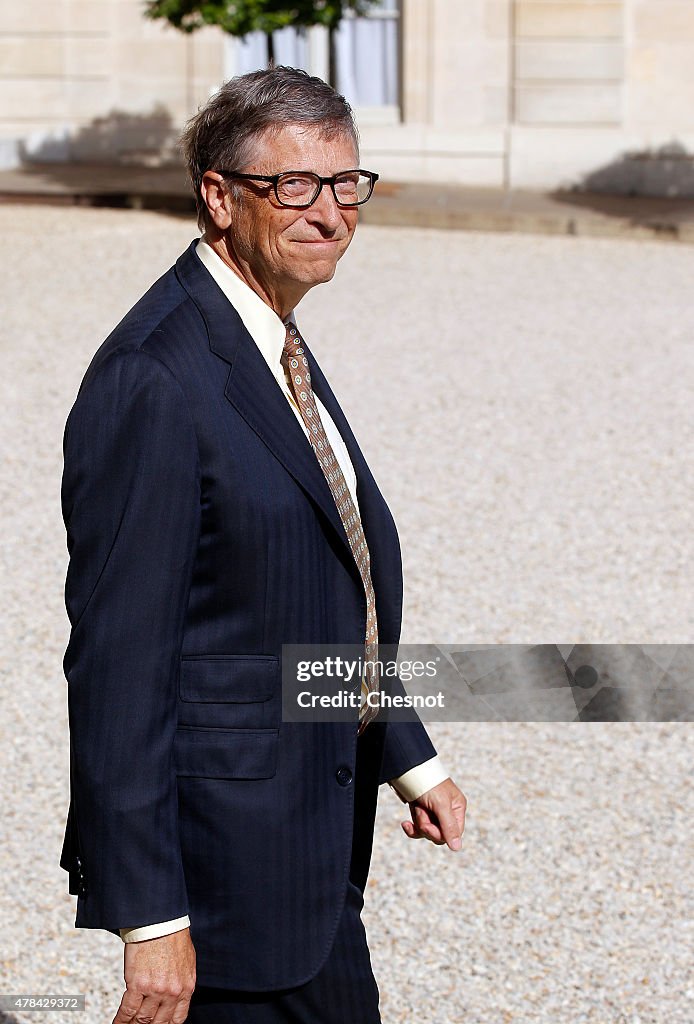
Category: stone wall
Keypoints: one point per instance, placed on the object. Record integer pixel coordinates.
(527, 93)
(93, 78)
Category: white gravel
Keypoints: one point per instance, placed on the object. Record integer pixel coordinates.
(525, 404)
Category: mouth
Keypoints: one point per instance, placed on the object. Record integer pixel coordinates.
(318, 241)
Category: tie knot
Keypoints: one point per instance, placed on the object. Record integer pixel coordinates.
(292, 338)
(294, 355)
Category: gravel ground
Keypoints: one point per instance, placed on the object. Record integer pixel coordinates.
(546, 498)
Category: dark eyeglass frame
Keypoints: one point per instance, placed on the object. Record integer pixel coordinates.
(273, 179)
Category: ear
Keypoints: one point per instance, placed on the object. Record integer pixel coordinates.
(216, 197)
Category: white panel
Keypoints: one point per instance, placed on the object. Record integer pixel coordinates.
(569, 104)
(568, 60)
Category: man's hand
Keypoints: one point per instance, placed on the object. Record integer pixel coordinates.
(438, 815)
(159, 979)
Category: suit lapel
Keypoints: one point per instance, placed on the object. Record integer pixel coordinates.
(253, 391)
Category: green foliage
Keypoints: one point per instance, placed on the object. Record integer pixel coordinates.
(238, 17)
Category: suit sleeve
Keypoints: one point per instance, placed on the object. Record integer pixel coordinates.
(406, 743)
(131, 506)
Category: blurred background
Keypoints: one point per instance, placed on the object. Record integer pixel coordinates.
(498, 93)
(547, 500)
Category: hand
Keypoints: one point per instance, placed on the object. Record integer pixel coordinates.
(159, 979)
(438, 815)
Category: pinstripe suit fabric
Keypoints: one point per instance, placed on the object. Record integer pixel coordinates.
(202, 536)
(344, 991)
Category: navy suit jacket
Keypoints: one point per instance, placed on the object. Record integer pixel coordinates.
(202, 536)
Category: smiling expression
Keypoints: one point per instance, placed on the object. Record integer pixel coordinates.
(280, 251)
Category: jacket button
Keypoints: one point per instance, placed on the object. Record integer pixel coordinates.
(343, 775)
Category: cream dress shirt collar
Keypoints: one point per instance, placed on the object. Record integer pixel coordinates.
(260, 320)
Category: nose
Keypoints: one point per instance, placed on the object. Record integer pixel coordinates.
(325, 210)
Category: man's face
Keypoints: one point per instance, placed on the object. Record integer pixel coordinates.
(289, 248)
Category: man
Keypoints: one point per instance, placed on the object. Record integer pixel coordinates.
(227, 846)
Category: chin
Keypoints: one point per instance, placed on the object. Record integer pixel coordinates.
(319, 274)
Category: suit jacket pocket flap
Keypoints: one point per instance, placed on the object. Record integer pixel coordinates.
(226, 753)
(232, 678)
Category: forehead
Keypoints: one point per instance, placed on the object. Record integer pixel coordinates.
(303, 147)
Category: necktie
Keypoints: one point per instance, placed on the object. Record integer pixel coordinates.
(296, 362)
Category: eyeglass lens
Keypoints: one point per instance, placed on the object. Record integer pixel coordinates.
(296, 189)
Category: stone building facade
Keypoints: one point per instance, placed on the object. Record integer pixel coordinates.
(521, 93)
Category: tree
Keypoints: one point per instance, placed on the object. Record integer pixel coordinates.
(239, 17)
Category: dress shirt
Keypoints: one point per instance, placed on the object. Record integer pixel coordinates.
(268, 331)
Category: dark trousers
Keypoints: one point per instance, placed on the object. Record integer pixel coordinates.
(344, 991)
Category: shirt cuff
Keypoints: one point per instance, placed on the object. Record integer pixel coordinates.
(419, 779)
(154, 931)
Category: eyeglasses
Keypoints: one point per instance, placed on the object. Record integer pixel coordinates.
(301, 188)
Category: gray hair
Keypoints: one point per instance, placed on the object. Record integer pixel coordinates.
(224, 130)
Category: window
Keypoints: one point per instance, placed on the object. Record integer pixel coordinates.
(366, 58)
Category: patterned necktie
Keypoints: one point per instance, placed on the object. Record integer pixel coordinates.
(295, 361)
